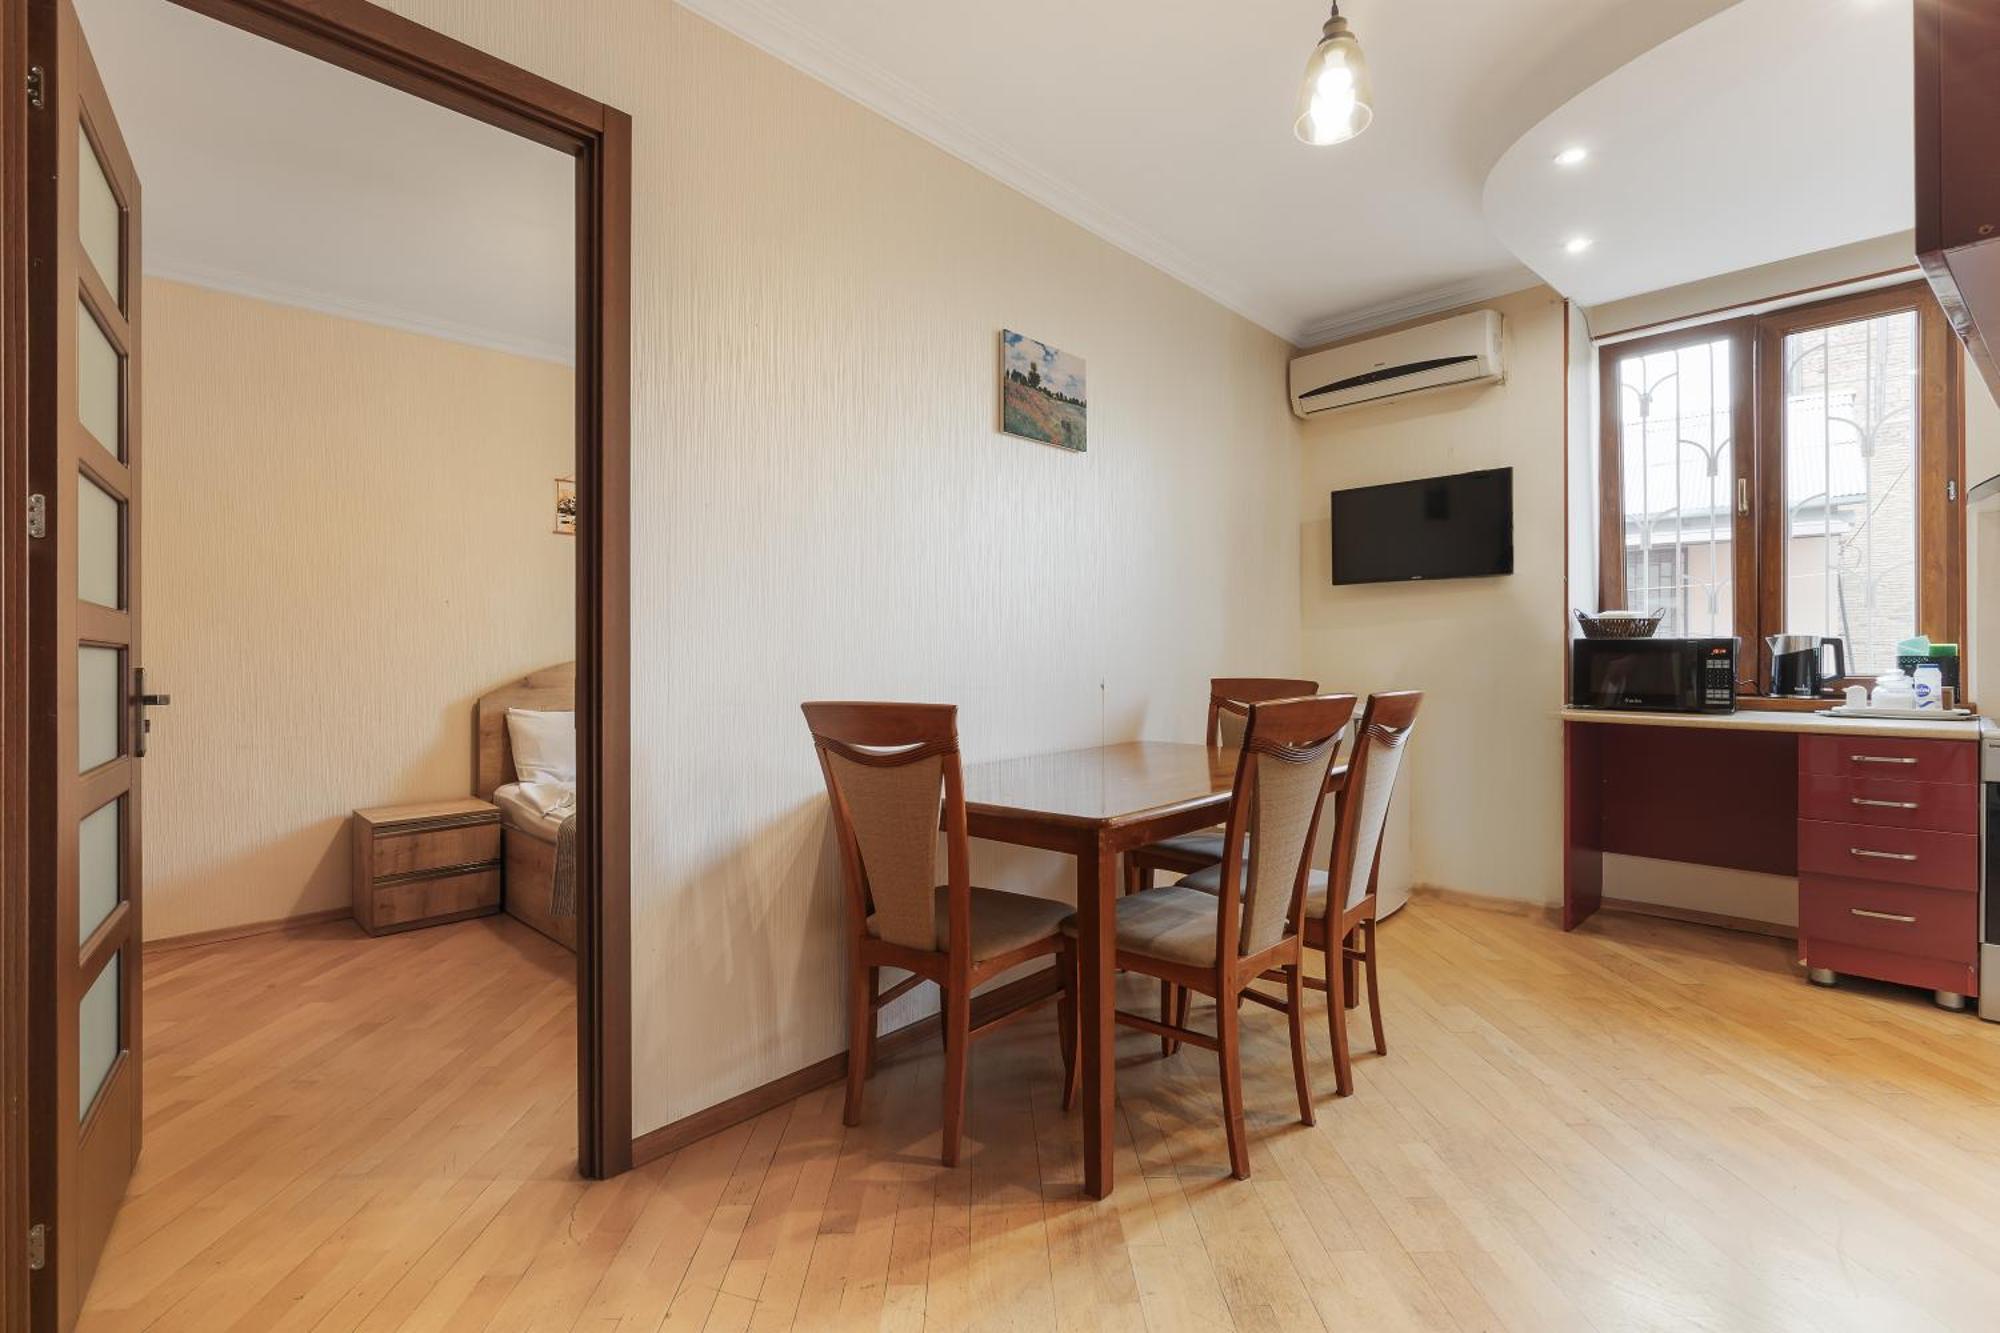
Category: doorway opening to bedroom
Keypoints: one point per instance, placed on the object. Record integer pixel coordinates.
(370, 357)
(358, 559)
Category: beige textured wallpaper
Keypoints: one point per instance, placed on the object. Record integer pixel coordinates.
(825, 508)
(347, 540)
(1480, 808)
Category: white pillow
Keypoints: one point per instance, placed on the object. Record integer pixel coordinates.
(544, 745)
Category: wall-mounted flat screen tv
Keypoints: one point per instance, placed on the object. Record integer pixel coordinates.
(1457, 527)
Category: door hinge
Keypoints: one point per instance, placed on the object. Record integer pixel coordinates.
(1742, 496)
(38, 1247)
(37, 88)
(1951, 490)
(38, 515)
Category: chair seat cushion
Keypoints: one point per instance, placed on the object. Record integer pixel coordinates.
(1210, 881)
(1001, 921)
(1192, 846)
(1174, 924)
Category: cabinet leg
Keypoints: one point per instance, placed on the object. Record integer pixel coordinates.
(1949, 999)
(1822, 976)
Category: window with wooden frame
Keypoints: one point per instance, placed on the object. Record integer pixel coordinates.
(1789, 473)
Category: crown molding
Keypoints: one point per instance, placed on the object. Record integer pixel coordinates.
(770, 29)
(1353, 323)
(366, 312)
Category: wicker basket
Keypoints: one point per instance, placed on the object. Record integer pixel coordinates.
(1620, 627)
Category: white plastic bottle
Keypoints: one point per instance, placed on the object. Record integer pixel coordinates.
(1930, 687)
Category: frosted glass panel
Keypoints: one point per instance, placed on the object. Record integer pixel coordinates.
(96, 544)
(98, 382)
(100, 705)
(97, 1043)
(97, 218)
(97, 867)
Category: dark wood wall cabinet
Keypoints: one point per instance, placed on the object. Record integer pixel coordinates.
(1958, 169)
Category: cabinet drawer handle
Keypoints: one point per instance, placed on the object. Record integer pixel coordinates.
(1881, 856)
(1897, 917)
(1882, 759)
(1883, 805)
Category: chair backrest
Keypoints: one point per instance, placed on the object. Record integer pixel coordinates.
(1386, 725)
(1230, 697)
(888, 768)
(1288, 748)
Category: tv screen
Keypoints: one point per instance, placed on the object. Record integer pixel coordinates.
(1458, 527)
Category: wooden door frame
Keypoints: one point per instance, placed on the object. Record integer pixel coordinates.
(1937, 445)
(14, 950)
(405, 55)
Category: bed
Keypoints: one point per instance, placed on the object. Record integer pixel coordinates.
(527, 831)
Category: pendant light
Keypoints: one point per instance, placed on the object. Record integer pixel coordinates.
(1336, 101)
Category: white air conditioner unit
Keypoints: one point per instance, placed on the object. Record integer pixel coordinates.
(1464, 349)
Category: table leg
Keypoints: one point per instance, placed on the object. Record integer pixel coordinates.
(1096, 896)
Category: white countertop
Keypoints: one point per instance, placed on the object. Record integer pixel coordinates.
(1780, 720)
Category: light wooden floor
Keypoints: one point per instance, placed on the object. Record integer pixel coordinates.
(1640, 1126)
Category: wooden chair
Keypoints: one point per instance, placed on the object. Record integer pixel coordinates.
(1229, 700)
(1220, 943)
(885, 765)
(1340, 902)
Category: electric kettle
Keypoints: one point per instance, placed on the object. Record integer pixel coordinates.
(1797, 661)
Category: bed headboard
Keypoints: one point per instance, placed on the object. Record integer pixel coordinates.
(552, 689)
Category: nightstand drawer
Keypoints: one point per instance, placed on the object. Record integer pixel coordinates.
(419, 864)
(418, 902)
(400, 853)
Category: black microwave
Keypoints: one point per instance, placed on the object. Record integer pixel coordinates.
(1654, 675)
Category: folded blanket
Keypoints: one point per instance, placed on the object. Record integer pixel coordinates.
(562, 896)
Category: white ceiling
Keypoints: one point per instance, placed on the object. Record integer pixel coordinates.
(1166, 128)
(273, 174)
(1776, 128)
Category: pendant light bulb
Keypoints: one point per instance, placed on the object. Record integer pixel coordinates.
(1336, 99)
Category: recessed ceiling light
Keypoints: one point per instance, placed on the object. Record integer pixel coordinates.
(1576, 245)
(1570, 157)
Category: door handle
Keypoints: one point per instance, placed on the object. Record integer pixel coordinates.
(1881, 856)
(141, 701)
(1897, 917)
(1882, 758)
(1883, 805)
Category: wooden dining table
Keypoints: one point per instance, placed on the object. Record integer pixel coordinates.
(1095, 805)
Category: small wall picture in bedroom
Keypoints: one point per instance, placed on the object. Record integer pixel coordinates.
(1042, 393)
(566, 506)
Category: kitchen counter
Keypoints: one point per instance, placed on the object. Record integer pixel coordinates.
(1773, 720)
(1876, 821)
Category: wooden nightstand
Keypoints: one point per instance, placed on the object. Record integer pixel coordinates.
(422, 865)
